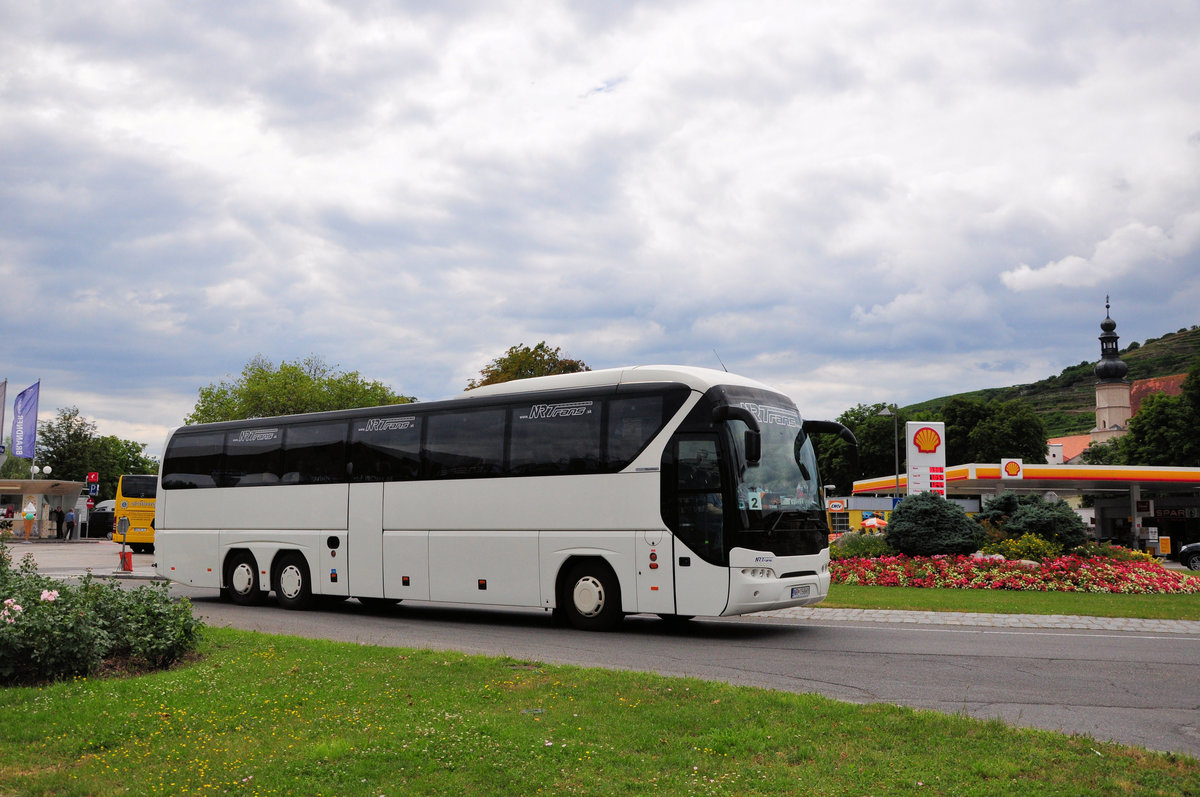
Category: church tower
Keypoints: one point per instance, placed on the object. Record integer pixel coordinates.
(1112, 388)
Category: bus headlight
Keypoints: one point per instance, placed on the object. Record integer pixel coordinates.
(758, 572)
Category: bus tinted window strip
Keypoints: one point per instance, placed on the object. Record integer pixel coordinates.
(642, 417)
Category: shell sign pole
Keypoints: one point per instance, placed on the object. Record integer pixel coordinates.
(926, 457)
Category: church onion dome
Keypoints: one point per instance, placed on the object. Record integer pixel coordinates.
(1111, 367)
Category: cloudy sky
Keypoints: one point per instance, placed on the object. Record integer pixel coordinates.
(853, 201)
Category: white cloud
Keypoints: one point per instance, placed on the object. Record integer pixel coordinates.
(1131, 249)
(410, 191)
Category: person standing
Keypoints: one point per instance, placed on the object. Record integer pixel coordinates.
(70, 523)
(58, 516)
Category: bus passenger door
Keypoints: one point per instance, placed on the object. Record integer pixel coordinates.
(364, 546)
(693, 507)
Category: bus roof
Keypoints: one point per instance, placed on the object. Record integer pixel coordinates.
(696, 378)
(700, 379)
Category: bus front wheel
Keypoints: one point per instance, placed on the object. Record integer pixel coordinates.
(293, 588)
(241, 579)
(592, 597)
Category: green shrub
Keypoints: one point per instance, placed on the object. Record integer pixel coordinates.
(860, 544)
(1016, 515)
(1096, 550)
(51, 630)
(1027, 546)
(928, 525)
(1055, 521)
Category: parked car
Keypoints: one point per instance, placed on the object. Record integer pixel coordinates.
(1189, 556)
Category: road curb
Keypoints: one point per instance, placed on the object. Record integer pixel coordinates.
(978, 619)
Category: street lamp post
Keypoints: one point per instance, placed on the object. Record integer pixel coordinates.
(895, 416)
(35, 470)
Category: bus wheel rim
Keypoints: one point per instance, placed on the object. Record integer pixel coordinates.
(291, 581)
(241, 580)
(588, 596)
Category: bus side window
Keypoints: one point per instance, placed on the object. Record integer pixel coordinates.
(314, 453)
(632, 423)
(550, 439)
(464, 444)
(193, 461)
(385, 449)
(252, 457)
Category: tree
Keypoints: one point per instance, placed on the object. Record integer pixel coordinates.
(69, 445)
(1163, 433)
(308, 385)
(961, 415)
(877, 441)
(65, 444)
(1108, 452)
(13, 467)
(522, 362)
(1010, 429)
(1164, 430)
(928, 525)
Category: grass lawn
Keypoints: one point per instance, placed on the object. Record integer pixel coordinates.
(259, 714)
(1159, 607)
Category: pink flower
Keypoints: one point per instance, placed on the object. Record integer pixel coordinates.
(49, 594)
(1064, 574)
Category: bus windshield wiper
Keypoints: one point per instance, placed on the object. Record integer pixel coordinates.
(774, 517)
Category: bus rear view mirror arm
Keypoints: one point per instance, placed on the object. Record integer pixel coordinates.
(753, 444)
(833, 427)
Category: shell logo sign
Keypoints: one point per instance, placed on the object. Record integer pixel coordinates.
(927, 440)
(1012, 469)
(926, 457)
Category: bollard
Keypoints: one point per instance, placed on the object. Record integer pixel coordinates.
(126, 561)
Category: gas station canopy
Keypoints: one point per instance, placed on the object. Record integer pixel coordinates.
(41, 487)
(985, 479)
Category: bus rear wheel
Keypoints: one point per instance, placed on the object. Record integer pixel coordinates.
(592, 597)
(241, 579)
(291, 582)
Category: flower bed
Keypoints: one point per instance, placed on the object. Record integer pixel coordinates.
(1064, 574)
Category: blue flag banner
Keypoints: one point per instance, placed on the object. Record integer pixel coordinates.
(24, 428)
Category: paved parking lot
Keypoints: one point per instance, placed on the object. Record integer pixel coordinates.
(61, 559)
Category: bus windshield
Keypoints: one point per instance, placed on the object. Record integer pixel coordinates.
(778, 498)
(785, 478)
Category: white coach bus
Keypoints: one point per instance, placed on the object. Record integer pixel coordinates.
(668, 490)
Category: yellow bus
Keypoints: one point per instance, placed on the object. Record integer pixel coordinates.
(135, 501)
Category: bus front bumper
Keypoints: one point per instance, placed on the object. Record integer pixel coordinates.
(750, 590)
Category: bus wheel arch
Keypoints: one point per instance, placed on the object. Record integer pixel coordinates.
(291, 580)
(589, 594)
(241, 579)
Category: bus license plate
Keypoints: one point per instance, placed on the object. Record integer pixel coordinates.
(800, 592)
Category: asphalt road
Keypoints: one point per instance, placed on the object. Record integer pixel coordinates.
(1135, 688)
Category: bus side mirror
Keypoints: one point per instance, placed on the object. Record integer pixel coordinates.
(753, 446)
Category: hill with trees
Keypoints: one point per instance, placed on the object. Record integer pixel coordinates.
(1066, 402)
